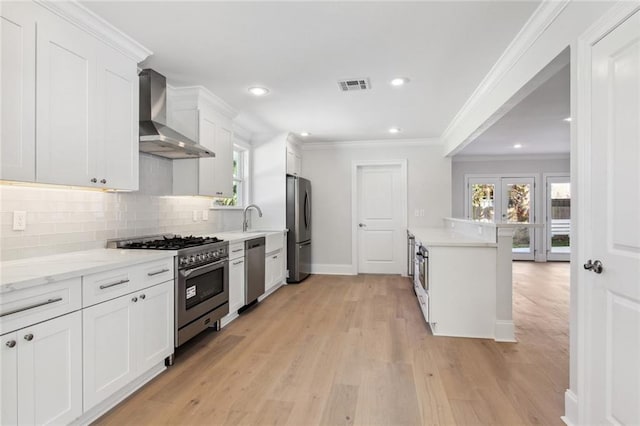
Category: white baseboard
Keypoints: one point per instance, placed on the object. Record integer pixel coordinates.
(270, 291)
(570, 417)
(505, 331)
(329, 269)
(229, 318)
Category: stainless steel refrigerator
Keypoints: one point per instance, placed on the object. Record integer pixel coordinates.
(299, 225)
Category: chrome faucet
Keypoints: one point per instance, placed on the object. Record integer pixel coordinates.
(245, 222)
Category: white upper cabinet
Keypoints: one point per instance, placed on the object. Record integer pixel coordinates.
(74, 98)
(294, 159)
(199, 115)
(18, 85)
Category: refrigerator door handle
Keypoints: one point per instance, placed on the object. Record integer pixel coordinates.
(306, 202)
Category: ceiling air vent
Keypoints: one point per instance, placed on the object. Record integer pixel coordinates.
(354, 84)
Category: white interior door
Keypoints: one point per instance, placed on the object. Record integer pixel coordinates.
(381, 203)
(558, 217)
(612, 311)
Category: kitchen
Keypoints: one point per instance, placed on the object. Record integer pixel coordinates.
(151, 195)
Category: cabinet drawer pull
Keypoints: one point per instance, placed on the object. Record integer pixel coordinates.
(134, 299)
(103, 181)
(28, 337)
(142, 296)
(236, 250)
(103, 286)
(238, 262)
(35, 305)
(94, 180)
(11, 343)
(162, 271)
(275, 257)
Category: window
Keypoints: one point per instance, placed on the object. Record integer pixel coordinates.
(240, 179)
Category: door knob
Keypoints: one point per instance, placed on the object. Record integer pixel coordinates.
(28, 337)
(362, 225)
(11, 343)
(596, 266)
(94, 180)
(103, 181)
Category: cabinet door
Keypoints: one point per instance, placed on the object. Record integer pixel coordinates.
(18, 84)
(154, 325)
(206, 172)
(65, 130)
(291, 158)
(107, 338)
(223, 179)
(9, 379)
(236, 284)
(50, 371)
(116, 165)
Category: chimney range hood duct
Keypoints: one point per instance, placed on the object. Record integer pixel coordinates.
(155, 136)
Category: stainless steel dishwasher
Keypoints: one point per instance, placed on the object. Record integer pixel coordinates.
(254, 251)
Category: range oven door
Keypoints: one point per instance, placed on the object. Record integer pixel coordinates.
(200, 290)
(422, 257)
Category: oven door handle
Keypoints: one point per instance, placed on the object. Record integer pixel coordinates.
(204, 268)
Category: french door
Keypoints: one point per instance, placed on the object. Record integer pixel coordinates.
(505, 200)
(558, 217)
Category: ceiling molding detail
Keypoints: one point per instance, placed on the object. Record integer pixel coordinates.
(481, 158)
(87, 20)
(539, 21)
(205, 98)
(380, 143)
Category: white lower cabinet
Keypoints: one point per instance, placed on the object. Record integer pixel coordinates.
(274, 269)
(42, 372)
(236, 284)
(123, 338)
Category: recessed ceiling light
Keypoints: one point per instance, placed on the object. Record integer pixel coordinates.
(305, 134)
(399, 81)
(395, 130)
(258, 91)
(568, 119)
(517, 146)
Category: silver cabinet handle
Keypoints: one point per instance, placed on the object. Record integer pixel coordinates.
(236, 250)
(103, 181)
(218, 193)
(134, 299)
(28, 337)
(35, 305)
(238, 262)
(142, 296)
(103, 286)
(11, 343)
(162, 271)
(275, 257)
(362, 225)
(94, 180)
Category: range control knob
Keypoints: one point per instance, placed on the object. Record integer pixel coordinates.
(192, 259)
(184, 261)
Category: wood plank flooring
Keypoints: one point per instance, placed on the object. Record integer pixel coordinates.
(339, 350)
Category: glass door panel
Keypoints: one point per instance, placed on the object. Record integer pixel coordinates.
(558, 218)
(517, 207)
(483, 202)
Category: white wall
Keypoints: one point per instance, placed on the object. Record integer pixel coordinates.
(329, 169)
(62, 220)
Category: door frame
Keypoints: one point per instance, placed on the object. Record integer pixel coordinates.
(576, 402)
(546, 214)
(355, 164)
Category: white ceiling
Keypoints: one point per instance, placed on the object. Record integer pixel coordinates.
(537, 123)
(300, 49)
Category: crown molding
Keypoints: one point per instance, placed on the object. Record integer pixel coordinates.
(242, 133)
(97, 26)
(202, 97)
(376, 143)
(520, 157)
(537, 24)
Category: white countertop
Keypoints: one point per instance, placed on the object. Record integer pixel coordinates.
(441, 237)
(237, 236)
(34, 271)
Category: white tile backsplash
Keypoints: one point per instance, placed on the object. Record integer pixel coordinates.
(63, 220)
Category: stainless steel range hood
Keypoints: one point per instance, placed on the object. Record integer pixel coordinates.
(155, 136)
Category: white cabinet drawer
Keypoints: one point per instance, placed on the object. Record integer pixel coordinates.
(155, 272)
(274, 241)
(32, 305)
(236, 250)
(107, 285)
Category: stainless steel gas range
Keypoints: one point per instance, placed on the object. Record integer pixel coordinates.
(201, 271)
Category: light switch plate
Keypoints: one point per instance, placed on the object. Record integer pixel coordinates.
(195, 215)
(19, 220)
(205, 214)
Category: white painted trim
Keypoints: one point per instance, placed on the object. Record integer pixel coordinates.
(379, 143)
(580, 184)
(570, 417)
(525, 157)
(271, 291)
(229, 318)
(203, 98)
(88, 21)
(539, 21)
(504, 331)
(331, 269)
(355, 164)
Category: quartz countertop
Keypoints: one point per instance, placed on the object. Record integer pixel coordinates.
(237, 236)
(34, 271)
(441, 237)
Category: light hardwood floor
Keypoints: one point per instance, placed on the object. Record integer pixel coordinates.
(355, 350)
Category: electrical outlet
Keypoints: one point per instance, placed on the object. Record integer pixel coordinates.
(421, 212)
(19, 220)
(416, 212)
(195, 215)
(205, 214)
